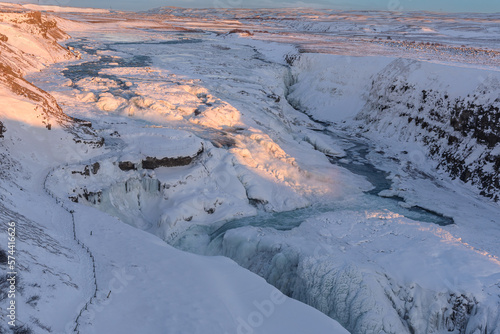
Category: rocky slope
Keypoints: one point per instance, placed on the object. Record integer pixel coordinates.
(32, 126)
(458, 126)
(442, 114)
(29, 42)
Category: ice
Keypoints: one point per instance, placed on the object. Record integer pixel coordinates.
(350, 266)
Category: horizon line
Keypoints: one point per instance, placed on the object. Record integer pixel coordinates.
(23, 3)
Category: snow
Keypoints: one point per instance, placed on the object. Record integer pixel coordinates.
(265, 134)
(330, 85)
(30, 43)
(160, 142)
(155, 288)
(338, 254)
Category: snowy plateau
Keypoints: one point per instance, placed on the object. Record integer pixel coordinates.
(249, 171)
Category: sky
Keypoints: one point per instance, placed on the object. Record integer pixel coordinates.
(486, 6)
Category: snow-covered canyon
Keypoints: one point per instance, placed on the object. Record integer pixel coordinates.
(363, 186)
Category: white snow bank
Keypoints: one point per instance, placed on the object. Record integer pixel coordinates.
(330, 87)
(161, 143)
(108, 102)
(153, 288)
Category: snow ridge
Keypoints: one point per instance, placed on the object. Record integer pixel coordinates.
(82, 245)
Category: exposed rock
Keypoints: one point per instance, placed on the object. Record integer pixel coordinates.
(291, 58)
(452, 129)
(95, 168)
(460, 312)
(2, 129)
(45, 26)
(86, 171)
(91, 196)
(275, 97)
(126, 166)
(50, 111)
(257, 202)
(4, 257)
(153, 162)
(241, 32)
(97, 142)
(223, 140)
(82, 122)
(14, 62)
(481, 122)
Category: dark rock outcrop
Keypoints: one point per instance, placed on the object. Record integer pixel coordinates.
(460, 133)
(13, 64)
(86, 171)
(82, 122)
(241, 31)
(153, 163)
(91, 196)
(95, 168)
(126, 166)
(3, 257)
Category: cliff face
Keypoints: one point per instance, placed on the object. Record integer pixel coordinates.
(456, 119)
(29, 41)
(450, 113)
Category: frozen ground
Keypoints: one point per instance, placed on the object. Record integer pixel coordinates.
(80, 270)
(294, 146)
